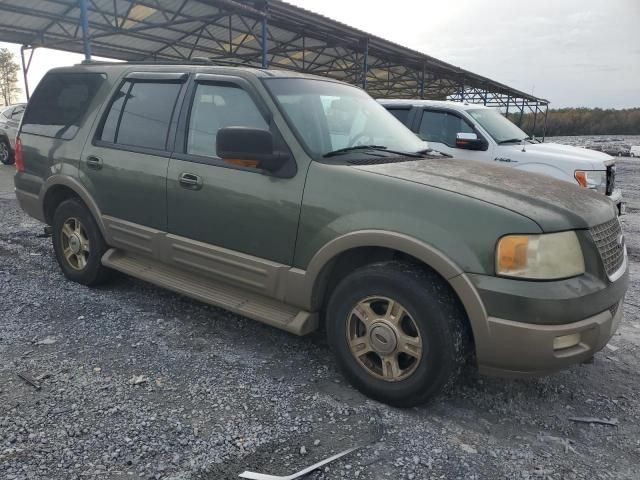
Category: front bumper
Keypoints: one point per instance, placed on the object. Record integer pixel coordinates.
(523, 349)
(522, 321)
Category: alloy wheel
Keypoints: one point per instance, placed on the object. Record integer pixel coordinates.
(384, 339)
(75, 244)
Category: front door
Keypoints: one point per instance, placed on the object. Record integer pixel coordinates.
(228, 219)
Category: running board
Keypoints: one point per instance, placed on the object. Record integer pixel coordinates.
(249, 304)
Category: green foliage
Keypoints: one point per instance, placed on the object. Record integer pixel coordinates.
(8, 76)
(583, 121)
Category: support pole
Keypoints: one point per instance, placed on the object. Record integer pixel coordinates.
(265, 39)
(535, 118)
(365, 64)
(25, 70)
(521, 113)
(508, 102)
(544, 128)
(84, 21)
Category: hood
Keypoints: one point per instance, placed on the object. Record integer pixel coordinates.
(589, 158)
(553, 204)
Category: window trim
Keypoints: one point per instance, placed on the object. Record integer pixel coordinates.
(449, 112)
(184, 119)
(171, 78)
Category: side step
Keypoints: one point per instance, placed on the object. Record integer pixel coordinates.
(252, 305)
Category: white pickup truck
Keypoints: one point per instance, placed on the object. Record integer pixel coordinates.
(486, 135)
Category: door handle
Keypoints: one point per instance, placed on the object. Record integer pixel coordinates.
(190, 181)
(94, 162)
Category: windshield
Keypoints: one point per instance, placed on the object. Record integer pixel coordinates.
(501, 129)
(329, 116)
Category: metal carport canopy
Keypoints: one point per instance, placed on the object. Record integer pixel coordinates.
(259, 33)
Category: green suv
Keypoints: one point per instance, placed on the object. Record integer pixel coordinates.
(300, 202)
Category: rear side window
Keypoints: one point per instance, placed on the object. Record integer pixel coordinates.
(401, 114)
(17, 113)
(60, 103)
(140, 114)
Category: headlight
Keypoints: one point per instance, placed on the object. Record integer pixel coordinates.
(594, 179)
(540, 257)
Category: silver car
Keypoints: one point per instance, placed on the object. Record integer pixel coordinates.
(9, 122)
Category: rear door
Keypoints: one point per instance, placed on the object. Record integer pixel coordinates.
(223, 215)
(125, 165)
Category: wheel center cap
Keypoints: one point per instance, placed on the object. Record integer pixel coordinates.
(75, 244)
(383, 339)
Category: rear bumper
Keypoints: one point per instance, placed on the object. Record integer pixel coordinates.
(30, 203)
(523, 350)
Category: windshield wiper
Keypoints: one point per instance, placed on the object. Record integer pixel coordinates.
(512, 140)
(431, 151)
(340, 151)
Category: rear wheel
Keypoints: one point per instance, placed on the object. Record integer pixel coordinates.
(6, 155)
(398, 332)
(78, 243)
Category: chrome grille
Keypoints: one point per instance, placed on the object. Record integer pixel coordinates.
(610, 242)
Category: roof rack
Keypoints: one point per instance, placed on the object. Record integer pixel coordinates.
(192, 61)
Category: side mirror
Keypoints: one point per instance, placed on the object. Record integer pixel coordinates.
(470, 141)
(249, 144)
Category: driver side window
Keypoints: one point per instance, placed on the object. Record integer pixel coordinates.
(442, 127)
(216, 106)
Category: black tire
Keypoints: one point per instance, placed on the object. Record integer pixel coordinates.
(93, 272)
(6, 154)
(435, 310)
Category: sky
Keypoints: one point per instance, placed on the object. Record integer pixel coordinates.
(574, 53)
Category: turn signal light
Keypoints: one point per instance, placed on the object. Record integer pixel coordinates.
(581, 178)
(18, 156)
(512, 253)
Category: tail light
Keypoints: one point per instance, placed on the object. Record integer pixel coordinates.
(19, 158)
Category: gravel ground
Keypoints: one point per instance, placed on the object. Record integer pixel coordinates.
(137, 382)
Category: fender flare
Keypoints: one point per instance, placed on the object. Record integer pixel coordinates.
(302, 284)
(79, 189)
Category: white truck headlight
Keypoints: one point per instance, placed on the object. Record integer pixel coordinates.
(593, 179)
(540, 257)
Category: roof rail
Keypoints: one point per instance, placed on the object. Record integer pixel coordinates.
(192, 61)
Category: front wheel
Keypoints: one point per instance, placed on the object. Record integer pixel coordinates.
(6, 155)
(398, 332)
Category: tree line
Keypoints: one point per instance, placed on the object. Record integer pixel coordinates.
(582, 121)
(9, 69)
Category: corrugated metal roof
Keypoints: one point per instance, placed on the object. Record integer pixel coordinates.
(229, 32)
